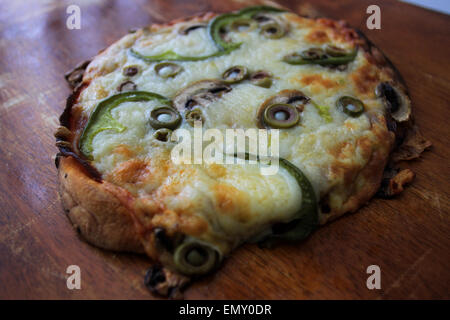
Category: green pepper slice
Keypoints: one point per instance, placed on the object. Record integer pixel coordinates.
(299, 59)
(101, 118)
(306, 219)
(220, 23)
(215, 27)
(172, 56)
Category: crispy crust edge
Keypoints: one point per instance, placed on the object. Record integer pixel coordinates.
(96, 209)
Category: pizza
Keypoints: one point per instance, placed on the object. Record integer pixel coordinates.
(339, 110)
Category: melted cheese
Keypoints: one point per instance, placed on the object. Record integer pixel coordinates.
(239, 202)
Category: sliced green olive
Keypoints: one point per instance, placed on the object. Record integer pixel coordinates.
(163, 134)
(281, 116)
(351, 106)
(195, 258)
(194, 115)
(334, 51)
(235, 74)
(272, 30)
(261, 78)
(167, 69)
(164, 117)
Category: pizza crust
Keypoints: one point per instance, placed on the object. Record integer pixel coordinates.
(95, 211)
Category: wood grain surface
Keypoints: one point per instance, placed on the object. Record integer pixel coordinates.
(408, 237)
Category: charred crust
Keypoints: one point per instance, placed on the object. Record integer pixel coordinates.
(64, 119)
(89, 169)
(400, 129)
(162, 239)
(57, 159)
(393, 182)
(164, 282)
(75, 76)
(165, 241)
(381, 59)
(63, 133)
(62, 138)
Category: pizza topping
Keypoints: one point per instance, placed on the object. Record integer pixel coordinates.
(194, 115)
(306, 220)
(272, 30)
(101, 118)
(200, 93)
(280, 116)
(172, 56)
(292, 97)
(217, 29)
(127, 86)
(334, 51)
(164, 117)
(163, 134)
(395, 101)
(261, 78)
(221, 25)
(331, 56)
(290, 103)
(195, 258)
(243, 24)
(235, 74)
(167, 69)
(131, 71)
(313, 54)
(351, 106)
(185, 30)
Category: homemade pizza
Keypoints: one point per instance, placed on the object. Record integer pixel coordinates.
(337, 106)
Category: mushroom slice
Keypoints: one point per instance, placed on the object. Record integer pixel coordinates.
(395, 100)
(200, 93)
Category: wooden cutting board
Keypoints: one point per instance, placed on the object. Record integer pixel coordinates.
(408, 237)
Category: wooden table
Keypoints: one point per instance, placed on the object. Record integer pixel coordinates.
(408, 237)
